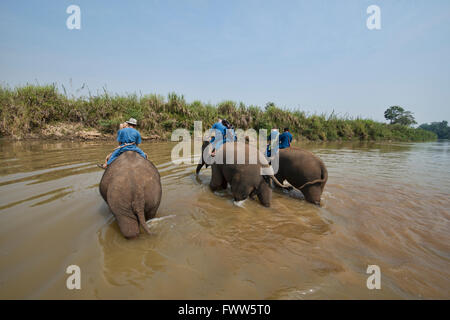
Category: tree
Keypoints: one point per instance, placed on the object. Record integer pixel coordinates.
(397, 114)
(406, 119)
(392, 113)
(440, 128)
(270, 105)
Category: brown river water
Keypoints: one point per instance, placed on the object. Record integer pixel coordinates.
(384, 204)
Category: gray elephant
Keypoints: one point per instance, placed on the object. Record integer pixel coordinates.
(303, 170)
(246, 179)
(131, 186)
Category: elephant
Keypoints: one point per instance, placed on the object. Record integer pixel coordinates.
(246, 179)
(131, 186)
(304, 171)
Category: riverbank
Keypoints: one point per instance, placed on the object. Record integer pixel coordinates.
(42, 112)
(74, 131)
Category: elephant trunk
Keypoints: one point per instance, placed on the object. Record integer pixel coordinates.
(202, 160)
(199, 167)
(278, 183)
(273, 178)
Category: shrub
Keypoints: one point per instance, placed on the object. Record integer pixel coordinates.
(29, 108)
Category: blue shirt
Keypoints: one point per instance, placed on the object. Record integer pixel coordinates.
(230, 136)
(285, 139)
(129, 135)
(274, 134)
(220, 129)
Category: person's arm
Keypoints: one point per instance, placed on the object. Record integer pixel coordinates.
(119, 136)
(138, 138)
(213, 129)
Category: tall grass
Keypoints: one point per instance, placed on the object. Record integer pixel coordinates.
(28, 109)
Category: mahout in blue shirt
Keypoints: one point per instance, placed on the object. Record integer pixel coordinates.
(126, 136)
(285, 140)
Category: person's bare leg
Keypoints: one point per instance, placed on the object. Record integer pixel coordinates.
(105, 164)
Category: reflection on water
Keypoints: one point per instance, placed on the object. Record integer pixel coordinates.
(384, 204)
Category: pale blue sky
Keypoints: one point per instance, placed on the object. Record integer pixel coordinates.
(317, 56)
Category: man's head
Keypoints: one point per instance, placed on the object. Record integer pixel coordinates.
(286, 129)
(226, 123)
(132, 123)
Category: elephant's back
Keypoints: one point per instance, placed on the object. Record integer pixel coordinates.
(300, 164)
(131, 160)
(239, 149)
(128, 171)
(310, 157)
(298, 156)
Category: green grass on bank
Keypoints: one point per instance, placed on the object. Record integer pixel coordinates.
(30, 108)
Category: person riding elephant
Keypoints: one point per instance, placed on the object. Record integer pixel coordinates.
(272, 142)
(223, 132)
(230, 135)
(129, 139)
(302, 169)
(243, 167)
(131, 186)
(285, 139)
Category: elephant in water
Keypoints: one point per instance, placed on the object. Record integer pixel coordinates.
(131, 186)
(246, 179)
(303, 170)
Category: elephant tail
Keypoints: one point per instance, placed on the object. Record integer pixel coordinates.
(323, 179)
(138, 209)
(324, 174)
(311, 182)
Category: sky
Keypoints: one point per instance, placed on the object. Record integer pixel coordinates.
(316, 56)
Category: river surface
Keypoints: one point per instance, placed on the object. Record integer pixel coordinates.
(384, 204)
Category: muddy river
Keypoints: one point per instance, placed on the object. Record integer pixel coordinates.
(384, 204)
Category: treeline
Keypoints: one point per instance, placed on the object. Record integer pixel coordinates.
(441, 129)
(31, 108)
